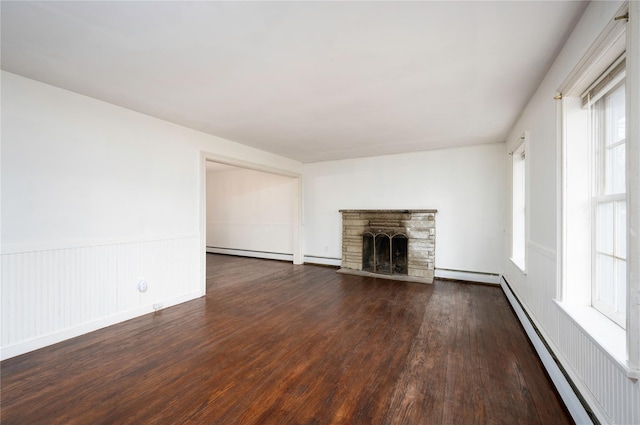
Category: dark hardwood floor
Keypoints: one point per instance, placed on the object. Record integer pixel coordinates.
(273, 343)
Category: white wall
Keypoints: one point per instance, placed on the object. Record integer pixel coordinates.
(95, 197)
(465, 185)
(250, 210)
(603, 383)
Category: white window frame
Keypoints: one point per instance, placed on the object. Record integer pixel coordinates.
(574, 218)
(599, 125)
(519, 192)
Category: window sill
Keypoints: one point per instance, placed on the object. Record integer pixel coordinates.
(611, 338)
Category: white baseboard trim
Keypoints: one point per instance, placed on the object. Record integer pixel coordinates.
(63, 335)
(571, 400)
(275, 256)
(326, 261)
(469, 276)
(253, 254)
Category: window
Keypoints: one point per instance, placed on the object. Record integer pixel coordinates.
(518, 221)
(595, 190)
(608, 123)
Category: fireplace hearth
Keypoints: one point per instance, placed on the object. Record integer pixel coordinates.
(393, 244)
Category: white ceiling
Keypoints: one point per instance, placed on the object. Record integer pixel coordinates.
(311, 81)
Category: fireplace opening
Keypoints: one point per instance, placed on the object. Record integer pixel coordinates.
(384, 253)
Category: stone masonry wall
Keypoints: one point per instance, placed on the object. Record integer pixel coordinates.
(418, 225)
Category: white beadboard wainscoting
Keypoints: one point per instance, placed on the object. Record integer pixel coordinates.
(51, 295)
(599, 380)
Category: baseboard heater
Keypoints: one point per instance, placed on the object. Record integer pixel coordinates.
(577, 406)
(469, 276)
(250, 253)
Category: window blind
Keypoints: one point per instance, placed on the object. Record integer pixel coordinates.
(609, 78)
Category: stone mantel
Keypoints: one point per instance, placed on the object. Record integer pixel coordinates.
(417, 224)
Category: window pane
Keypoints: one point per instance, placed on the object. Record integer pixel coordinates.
(604, 236)
(605, 284)
(621, 229)
(621, 286)
(616, 115)
(615, 170)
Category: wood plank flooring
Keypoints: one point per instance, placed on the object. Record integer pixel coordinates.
(274, 343)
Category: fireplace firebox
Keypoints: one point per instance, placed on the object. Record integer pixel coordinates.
(384, 252)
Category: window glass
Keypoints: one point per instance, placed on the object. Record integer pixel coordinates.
(621, 229)
(621, 287)
(604, 215)
(614, 180)
(606, 293)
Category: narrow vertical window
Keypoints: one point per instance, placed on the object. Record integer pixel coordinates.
(518, 227)
(609, 201)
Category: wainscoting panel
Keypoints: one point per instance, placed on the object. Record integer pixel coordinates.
(608, 385)
(168, 267)
(54, 294)
(605, 387)
(46, 291)
(542, 287)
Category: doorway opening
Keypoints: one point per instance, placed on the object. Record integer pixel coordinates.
(249, 211)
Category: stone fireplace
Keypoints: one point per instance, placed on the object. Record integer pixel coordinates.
(393, 244)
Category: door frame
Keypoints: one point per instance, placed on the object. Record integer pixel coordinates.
(297, 205)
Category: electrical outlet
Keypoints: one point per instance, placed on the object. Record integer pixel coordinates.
(142, 285)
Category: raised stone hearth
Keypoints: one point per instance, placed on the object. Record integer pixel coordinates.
(393, 244)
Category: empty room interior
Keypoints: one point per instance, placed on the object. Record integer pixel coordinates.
(320, 212)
